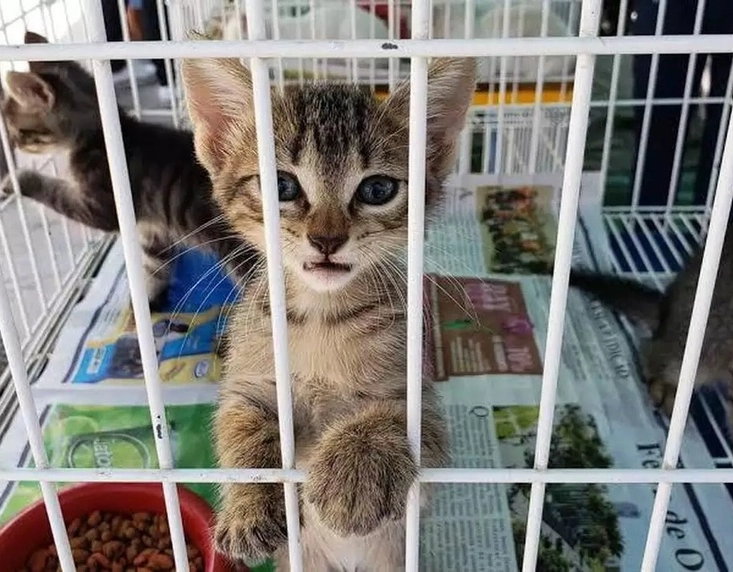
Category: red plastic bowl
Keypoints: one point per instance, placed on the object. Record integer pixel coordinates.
(30, 530)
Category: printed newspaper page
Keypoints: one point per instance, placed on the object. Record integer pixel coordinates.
(488, 305)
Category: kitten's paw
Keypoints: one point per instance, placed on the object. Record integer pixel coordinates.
(251, 523)
(360, 476)
(6, 187)
(30, 184)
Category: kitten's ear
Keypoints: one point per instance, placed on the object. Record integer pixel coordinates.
(33, 38)
(30, 90)
(219, 98)
(451, 85)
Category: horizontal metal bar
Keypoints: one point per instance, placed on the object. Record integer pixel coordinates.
(475, 476)
(494, 47)
(655, 210)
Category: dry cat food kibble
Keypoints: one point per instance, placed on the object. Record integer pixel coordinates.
(103, 542)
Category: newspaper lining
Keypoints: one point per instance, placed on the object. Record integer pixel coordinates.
(488, 335)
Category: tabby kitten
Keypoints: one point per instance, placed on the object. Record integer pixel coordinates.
(53, 107)
(668, 315)
(343, 168)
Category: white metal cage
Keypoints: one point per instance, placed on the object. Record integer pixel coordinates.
(520, 124)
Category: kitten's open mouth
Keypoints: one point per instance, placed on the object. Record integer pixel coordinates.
(326, 266)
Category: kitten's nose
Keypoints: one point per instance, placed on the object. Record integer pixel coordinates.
(327, 244)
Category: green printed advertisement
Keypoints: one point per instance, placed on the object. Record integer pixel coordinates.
(96, 436)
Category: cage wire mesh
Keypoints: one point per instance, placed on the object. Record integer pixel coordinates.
(562, 108)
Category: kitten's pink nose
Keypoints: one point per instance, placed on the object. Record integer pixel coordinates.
(327, 244)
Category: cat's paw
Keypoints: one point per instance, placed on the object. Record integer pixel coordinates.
(251, 523)
(360, 475)
(29, 184)
(6, 187)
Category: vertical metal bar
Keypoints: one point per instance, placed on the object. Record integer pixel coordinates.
(372, 34)
(393, 26)
(539, 88)
(14, 354)
(299, 36)
(719, 143)
(162, 20)
(518, 59)
(271, 215)
(502, 94)
(122, 8)
(489, 122)
(16, 283)
(466, 140)
(276, 36)
(136, 277)
(199, 15)
(354, 63)
(577, 130)
(693, 346)
(312, 5)
(613, 96)
(68, 21)
(646, 121)
(682, 127)
(572, 14)
(238, 15)
(415, 254)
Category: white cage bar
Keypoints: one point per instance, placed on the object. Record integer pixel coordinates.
(271, 215)
(18, 327)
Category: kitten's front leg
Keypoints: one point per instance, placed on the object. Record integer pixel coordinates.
(363, 468)
(251, 520)
(97, 210)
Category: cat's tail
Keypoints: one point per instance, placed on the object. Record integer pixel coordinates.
(639, 302)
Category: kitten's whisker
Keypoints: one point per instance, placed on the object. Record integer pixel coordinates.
(211, 290)
(473, 314)
(215, 268)
(228, 308)
(403, 276)
(373, 276)
(198, 229)
(401, 273)
(189, 249)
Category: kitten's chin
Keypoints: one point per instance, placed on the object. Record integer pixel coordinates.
(326, 277)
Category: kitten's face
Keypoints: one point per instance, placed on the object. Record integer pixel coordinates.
(45, 107)
(342, 186)
(342, 161)
(29, 129)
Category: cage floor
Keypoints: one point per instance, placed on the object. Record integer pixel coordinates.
(488, 319)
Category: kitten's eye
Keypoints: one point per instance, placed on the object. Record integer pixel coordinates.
(288, 187)
(377, 190)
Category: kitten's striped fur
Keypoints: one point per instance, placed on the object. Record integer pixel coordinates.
(347, 341)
